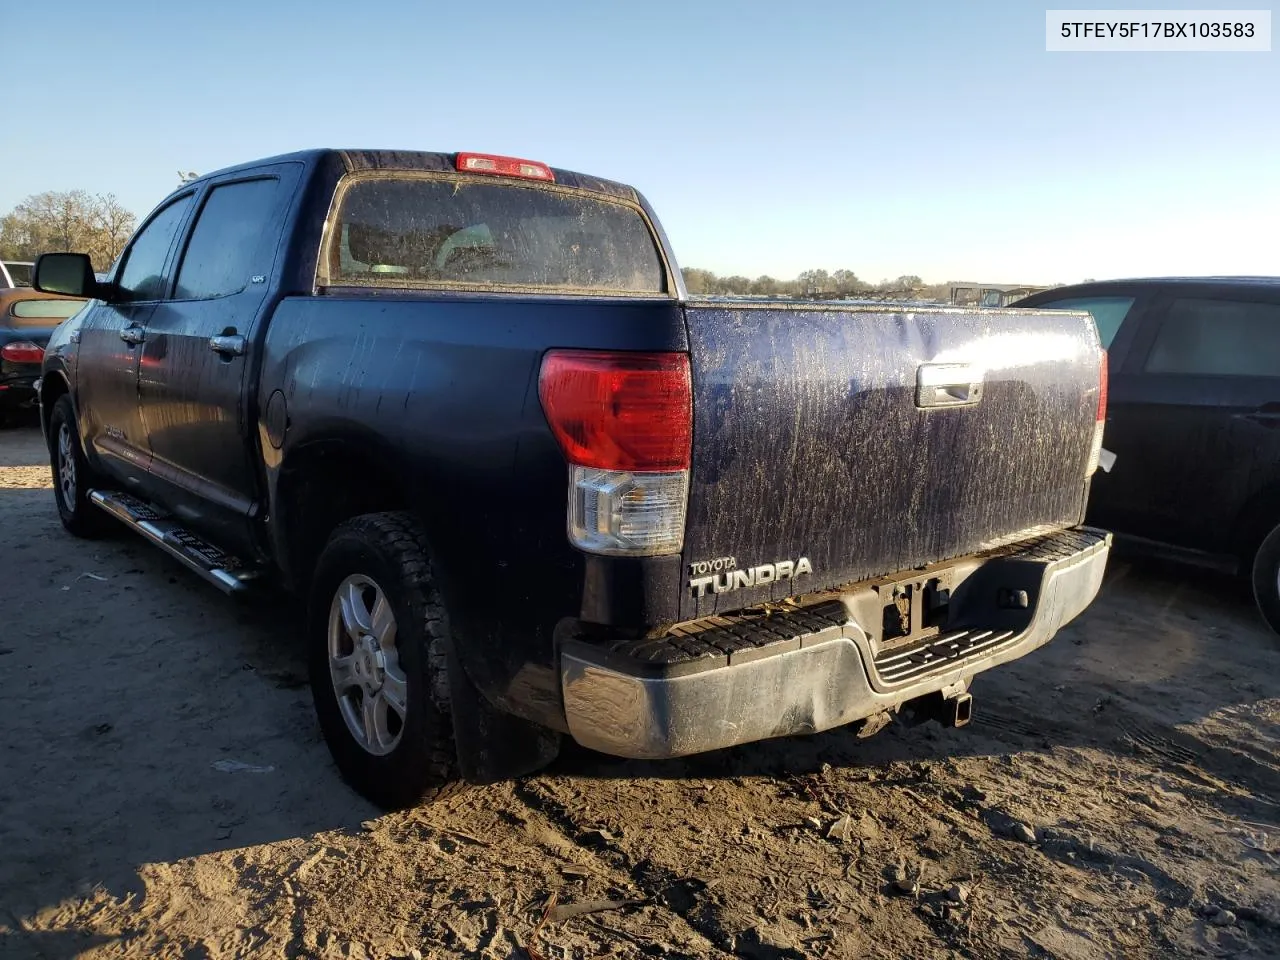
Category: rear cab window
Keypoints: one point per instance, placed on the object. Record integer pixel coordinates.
(1107, 312)
(416, 230)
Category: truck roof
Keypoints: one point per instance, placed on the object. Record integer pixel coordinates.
(1153, 281)
(364, 159)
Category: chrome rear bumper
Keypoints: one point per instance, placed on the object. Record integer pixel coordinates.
(829, 671)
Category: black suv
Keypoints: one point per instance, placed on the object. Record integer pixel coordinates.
(1193, 419)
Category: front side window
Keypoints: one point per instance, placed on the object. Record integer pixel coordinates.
(1107, 312)
(1218, 338)
(143, 275)
(226, 243)
(447, 231)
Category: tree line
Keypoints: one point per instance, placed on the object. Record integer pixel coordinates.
(816, 284)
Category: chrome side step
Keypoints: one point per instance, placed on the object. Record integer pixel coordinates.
(227, 573)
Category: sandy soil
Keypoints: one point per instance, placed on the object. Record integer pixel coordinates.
(165, 793)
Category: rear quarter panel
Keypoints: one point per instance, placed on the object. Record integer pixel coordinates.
(444, 390)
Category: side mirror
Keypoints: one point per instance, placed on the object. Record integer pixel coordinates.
(68, 274)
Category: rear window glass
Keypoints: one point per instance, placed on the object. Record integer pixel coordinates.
(456, 232)
(19, 273)
(45, 309)
(1107, 312)
(1218, 338)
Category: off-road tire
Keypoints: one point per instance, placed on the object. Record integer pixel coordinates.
(390, 549)
(80, 517)
(1265, 577)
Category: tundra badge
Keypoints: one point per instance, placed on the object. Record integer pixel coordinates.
(722, 574)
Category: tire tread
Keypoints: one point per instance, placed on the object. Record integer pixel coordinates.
(400, 539)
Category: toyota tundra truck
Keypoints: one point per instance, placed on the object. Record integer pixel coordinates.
(526, 488)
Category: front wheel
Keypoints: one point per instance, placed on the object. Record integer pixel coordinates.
(377, 645)
(72, 476)
(1266, 579)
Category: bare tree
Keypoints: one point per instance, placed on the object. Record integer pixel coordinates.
(115, 225)
(67, 220)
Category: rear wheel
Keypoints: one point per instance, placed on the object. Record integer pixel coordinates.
(377, 645)
(72, 476)
(1266, 579)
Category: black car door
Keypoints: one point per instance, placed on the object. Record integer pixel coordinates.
(194, 386)
(1197, 415)
(1120, 312)
(110, 347)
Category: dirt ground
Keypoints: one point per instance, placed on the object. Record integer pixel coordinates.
(165, 793)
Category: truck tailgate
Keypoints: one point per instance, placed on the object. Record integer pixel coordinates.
(810, 441)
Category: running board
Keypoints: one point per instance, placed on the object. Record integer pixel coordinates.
(224, 571)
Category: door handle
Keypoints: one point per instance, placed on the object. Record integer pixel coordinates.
(133, 335)
(948, 385)
(228, 346)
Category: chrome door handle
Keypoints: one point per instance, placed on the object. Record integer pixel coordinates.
(227, 345)
(948, 385)
(133, 335)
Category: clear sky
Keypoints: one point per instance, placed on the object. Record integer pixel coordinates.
(937, 139)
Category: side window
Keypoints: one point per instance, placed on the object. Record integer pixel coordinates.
(226, 247)
(1218, 338)
(1108, 313)
(142, 277)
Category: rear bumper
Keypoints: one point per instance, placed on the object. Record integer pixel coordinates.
(817, 668)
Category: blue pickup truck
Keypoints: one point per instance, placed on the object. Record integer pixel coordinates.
(526, 487)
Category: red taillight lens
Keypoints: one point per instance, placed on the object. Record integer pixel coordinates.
(1099, 426)
(23, 351)
(1102, 389)
(619, 411)
(504, 166)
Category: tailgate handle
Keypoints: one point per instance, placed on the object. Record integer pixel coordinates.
(948, 385)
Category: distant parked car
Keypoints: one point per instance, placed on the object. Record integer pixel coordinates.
(1193, 419)
(27, 317)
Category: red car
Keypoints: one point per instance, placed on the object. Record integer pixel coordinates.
(27, 318)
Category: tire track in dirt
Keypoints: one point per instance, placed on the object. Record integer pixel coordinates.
(1247, 779)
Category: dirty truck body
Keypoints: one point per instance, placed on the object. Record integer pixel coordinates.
(527, 487)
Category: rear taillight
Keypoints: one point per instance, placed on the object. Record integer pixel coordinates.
(22, 351)
(625, 424)
(1095, 451)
